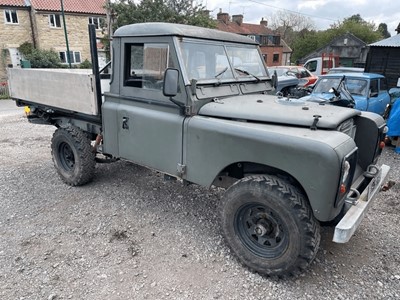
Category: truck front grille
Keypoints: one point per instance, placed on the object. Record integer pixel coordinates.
(348, 128)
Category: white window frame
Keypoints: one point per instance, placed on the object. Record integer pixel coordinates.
(9, 13)
(54, 24)
(74, 59)
(98, 25)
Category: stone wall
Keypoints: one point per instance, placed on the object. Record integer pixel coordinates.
(46, 37)
(54, 38)
(12, 36)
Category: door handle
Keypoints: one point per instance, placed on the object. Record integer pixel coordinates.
(125, 124)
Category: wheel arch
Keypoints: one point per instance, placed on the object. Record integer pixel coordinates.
(238, 170)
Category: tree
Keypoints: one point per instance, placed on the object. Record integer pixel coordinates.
(357, 26)
(288, 25)
(310, 41)
(170, 11)
(383, 30)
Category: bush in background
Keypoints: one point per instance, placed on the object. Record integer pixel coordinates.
(40, 58)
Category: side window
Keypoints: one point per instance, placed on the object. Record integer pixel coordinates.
(145, 65)
(311, 66)
(374, 89)
(383, 84)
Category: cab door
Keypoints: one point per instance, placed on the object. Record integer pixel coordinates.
(147, 126)
(378, 96)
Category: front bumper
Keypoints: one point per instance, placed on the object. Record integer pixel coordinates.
(353, 217)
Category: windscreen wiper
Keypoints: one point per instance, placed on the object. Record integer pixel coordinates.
(247, 73)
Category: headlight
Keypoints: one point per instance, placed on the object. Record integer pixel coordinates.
(346, 176)
(345, 170)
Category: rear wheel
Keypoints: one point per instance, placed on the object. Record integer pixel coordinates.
(73, 156)
(269, 225)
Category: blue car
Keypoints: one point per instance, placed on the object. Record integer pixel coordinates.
(362, 91)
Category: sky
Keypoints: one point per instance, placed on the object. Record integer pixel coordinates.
(322, 12)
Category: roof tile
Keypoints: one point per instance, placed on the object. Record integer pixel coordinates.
(244, 28)
(77, 6)
(12, 2)
(74, 6)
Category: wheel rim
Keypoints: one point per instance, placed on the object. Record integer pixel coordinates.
(261, 230)
(67, 157)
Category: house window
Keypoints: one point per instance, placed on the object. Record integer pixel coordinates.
(74, 56)
(55, 21)
(11, 16)
(98, 22)
(275, 58)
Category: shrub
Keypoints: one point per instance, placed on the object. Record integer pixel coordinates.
(40, 58)
(86, 64)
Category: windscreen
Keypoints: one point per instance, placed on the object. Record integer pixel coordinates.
(209, 61)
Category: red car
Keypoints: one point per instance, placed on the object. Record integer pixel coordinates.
(306, 77)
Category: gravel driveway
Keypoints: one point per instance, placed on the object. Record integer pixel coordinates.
(130, 234)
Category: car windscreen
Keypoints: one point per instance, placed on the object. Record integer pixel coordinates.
(210, 61)
(355, 86)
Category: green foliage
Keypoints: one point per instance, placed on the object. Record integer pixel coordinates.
(383, 30)
(26, 48)
(86, 64)
(357, 26)
(40, 58)
(309, 41)
(170, 11)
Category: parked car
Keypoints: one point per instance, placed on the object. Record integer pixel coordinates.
(363, 91)
(346, 70)
(306, 78)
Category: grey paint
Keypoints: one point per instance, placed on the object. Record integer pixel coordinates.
(271, 109)
(168, 29)
(311, 157)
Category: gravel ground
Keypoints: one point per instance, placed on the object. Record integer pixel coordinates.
(130, 234)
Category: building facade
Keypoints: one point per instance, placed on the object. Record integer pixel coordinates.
(274, 50)
(40, 23)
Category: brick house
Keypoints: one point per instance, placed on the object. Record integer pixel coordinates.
(274, 50)
(40, 22)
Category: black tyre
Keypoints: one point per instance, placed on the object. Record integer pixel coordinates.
(73, 156)
(269, 226)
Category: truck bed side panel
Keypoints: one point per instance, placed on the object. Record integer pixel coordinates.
(72, 90)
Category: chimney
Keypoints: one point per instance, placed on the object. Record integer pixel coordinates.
(238, 19)
(224, 17)
(264, 22)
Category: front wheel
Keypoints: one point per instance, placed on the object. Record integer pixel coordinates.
(73, 156)
(269, 226)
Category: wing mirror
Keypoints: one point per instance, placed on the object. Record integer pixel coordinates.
(171, 80)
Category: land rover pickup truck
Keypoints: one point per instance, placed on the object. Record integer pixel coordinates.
(196, 104)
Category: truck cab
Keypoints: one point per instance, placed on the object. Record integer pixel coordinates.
(322, 64)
